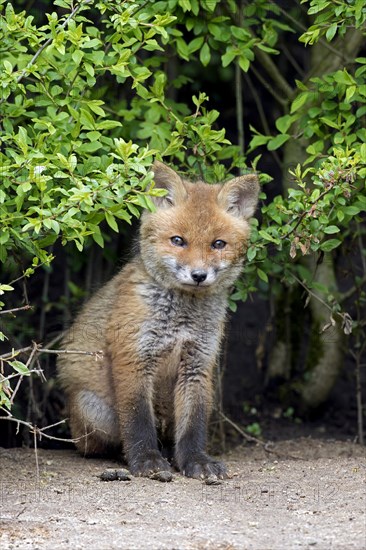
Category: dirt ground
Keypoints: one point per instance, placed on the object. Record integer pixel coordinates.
(311, 494)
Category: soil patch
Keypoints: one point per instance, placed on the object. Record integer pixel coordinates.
(310, 495)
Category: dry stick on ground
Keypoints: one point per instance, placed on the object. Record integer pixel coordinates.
(264, 444)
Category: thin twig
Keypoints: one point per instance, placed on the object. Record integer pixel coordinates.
(40, 431)
(269, 87)
(262, 115)
(350, 292)
(14, 353)
(239, 93)
(272, 70)
(23, 308)
(16, 374)
(22, 375)
(96, 354)
(264, 444)
(239, 430)
(314, 295)
(36, 453)
(24, 275)
(239, 108)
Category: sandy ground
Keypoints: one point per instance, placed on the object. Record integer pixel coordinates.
(311, 494)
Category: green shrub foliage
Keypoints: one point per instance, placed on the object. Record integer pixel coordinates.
(88, 100)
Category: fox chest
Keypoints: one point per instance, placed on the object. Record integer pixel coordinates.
(180, 329)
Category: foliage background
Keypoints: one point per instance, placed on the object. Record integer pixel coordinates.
(92, 92)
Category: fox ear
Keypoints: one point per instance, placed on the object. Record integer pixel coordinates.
(239, 196)
(167, 178)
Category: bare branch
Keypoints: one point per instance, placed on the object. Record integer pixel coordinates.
(11, 355)
(97, 354)
(266, 445)
(272, 70)
(22, 375)
(282, 101)
(41, 431)
(23, 308)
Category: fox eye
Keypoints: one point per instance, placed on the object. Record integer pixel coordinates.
(177, 241)
(219, 244)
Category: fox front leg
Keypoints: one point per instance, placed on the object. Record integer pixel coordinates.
(139, 437)
(193, 400)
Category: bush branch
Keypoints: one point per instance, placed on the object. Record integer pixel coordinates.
(15, 309)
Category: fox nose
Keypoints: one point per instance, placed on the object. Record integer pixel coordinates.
(198, 275)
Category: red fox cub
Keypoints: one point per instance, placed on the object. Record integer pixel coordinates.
(159, 323)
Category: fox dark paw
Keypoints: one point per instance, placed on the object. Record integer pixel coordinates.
(148, 463)
(203, 466)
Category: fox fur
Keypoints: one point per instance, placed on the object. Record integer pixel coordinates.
(159, 325)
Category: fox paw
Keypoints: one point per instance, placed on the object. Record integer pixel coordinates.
(148, 463)
(203, 466)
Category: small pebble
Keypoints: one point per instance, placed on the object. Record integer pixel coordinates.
(108, 475)
(163, 475)
(123, 475)
(212, 480)
(111, 474)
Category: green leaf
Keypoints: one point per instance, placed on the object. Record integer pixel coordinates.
(108, 124)
(299, 101)
(5, 288)
(195, 44)
(251, 253)
(327, 246)
(95, 107)
(185, 5)
(329, 122)
(256, 141)
(331, 32)
(351, 210)
(277, 141)
(331, 229)
(182, 48)
(343, 77)
(4, 236)
(158, 87)
(77, 56)
(98, 238)
(265, 235)
(244, 63)
(86, 119)
(363, 152)
(350, 92)
(262, 275)
(8, 66)
(111, 221)
(283, 123)
(20, 367)
(205, 54)
(228, 57)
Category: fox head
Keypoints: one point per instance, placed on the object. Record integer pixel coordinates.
(196, 239)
